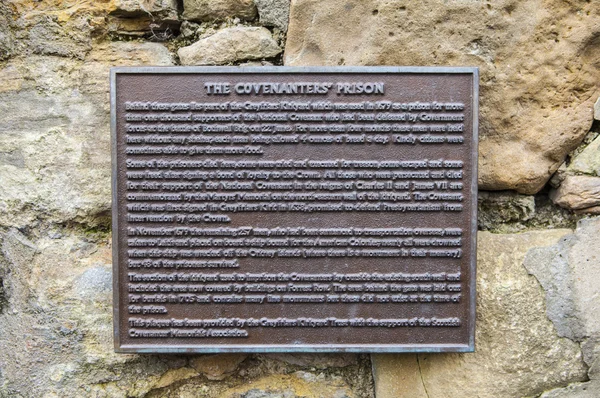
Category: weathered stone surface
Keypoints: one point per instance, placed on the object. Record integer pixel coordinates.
(319, 361)
(53, 27)
(18, 252)
(508, 212)
(494, 208)
(164, 10)
(591, 353)
(7, 43)
(588, 161)
(43, 34)
(531, 117)
(154, 19)
(69, 29)
(591, 389)
(585, 160)
(55, 135)
(568, 272)
(230, 45)
(256, 393)
(597, 109)
(518, 352)
(291, 386)
(217, 367)
(576, 185)
(207, 10)
(578, 193)
(580, 390)
(172, 376)
(143, 26)
(56, 328)
(398, 376)
(274, 13)
(188, 29)
(97, 65)
(256, 63)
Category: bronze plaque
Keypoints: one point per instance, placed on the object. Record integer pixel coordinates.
(294, 209)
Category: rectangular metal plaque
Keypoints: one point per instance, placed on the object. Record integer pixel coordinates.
(294, 209)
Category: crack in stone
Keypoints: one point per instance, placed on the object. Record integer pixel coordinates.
(421, 375)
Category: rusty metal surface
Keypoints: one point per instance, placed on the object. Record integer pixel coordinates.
(357, 236)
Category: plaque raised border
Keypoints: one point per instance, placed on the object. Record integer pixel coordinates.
(393, 347)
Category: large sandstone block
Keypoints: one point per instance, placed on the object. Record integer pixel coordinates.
(518, 352)
(538, 61)
(55, 134)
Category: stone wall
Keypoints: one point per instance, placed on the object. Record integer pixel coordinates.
(538, 279)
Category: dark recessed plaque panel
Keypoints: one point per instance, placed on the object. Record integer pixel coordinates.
(294, 209)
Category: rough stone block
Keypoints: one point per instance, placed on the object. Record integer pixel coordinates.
(164, 10)
(580, 193)
(43, 34)
(274, 13)
(230, 45)
(398, 376)
(588, 161)
(495, 208)
(208, 10)
(217, 367)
